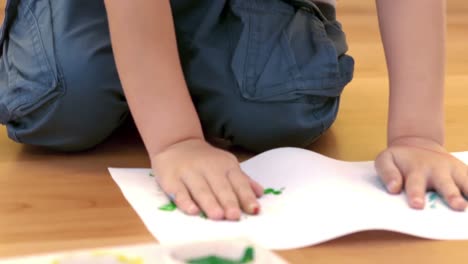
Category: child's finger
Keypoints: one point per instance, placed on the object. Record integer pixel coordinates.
(241, 185)
(256, 187)
(389, 172)
(225, 195)
(415, 187)
(178, 193)
(461, 179)
(203, 195)
(447, 188)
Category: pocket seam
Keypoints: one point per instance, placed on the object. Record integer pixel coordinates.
(50, 76)
(40, 48)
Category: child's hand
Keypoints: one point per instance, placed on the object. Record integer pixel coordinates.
(199, 177)
(418, 164)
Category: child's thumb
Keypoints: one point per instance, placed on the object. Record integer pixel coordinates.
(389, 172)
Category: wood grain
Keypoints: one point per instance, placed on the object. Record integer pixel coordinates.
(51, 201)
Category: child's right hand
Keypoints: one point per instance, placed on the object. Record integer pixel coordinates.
(199, 177)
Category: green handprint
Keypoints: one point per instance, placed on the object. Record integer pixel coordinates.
(171, 206)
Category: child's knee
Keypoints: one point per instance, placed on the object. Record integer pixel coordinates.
(69, 123)
(74, 112)
(261, 126)
(84, 106)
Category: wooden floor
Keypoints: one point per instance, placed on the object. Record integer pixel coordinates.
(50, 201)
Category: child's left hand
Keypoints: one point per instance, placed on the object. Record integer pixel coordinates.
(418, 165)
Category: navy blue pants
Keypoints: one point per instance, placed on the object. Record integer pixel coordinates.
(261, 73)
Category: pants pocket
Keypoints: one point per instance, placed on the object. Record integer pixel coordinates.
(286, 52)
(29, 75)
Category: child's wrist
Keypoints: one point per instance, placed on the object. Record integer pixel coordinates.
(153, 152)
(421, 143)
(415, 140)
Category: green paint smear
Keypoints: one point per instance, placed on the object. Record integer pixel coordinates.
(171, 206)
(203, 215)
(433, 196)
(246, 258)
(273, 191)
(151, 174)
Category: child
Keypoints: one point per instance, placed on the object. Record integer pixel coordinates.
(259, 73)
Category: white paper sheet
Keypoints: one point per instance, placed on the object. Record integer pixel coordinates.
(322, 199)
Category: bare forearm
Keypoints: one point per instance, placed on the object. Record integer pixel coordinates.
(145, 50)
(413, 34)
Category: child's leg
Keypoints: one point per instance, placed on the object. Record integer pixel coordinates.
(58, 82)
(263, 73)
